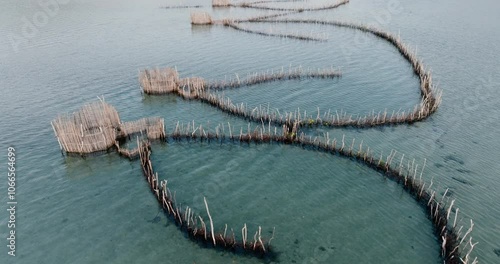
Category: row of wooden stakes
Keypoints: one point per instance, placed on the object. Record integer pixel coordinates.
(430, 95)
(194, 225)
(456, 242)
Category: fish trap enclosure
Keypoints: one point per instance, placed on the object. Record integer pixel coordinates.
(91, 129)
(159, 81)
(152, 127)
(193, 224)
(97, 126)
(201, 18)
(221, 3)
(166, 80)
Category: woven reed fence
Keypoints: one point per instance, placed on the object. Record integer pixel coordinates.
(88, 130)
(96, 127)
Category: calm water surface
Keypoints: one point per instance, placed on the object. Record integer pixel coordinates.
(325, 209)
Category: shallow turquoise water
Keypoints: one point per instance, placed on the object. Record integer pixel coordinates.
(98, 210)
